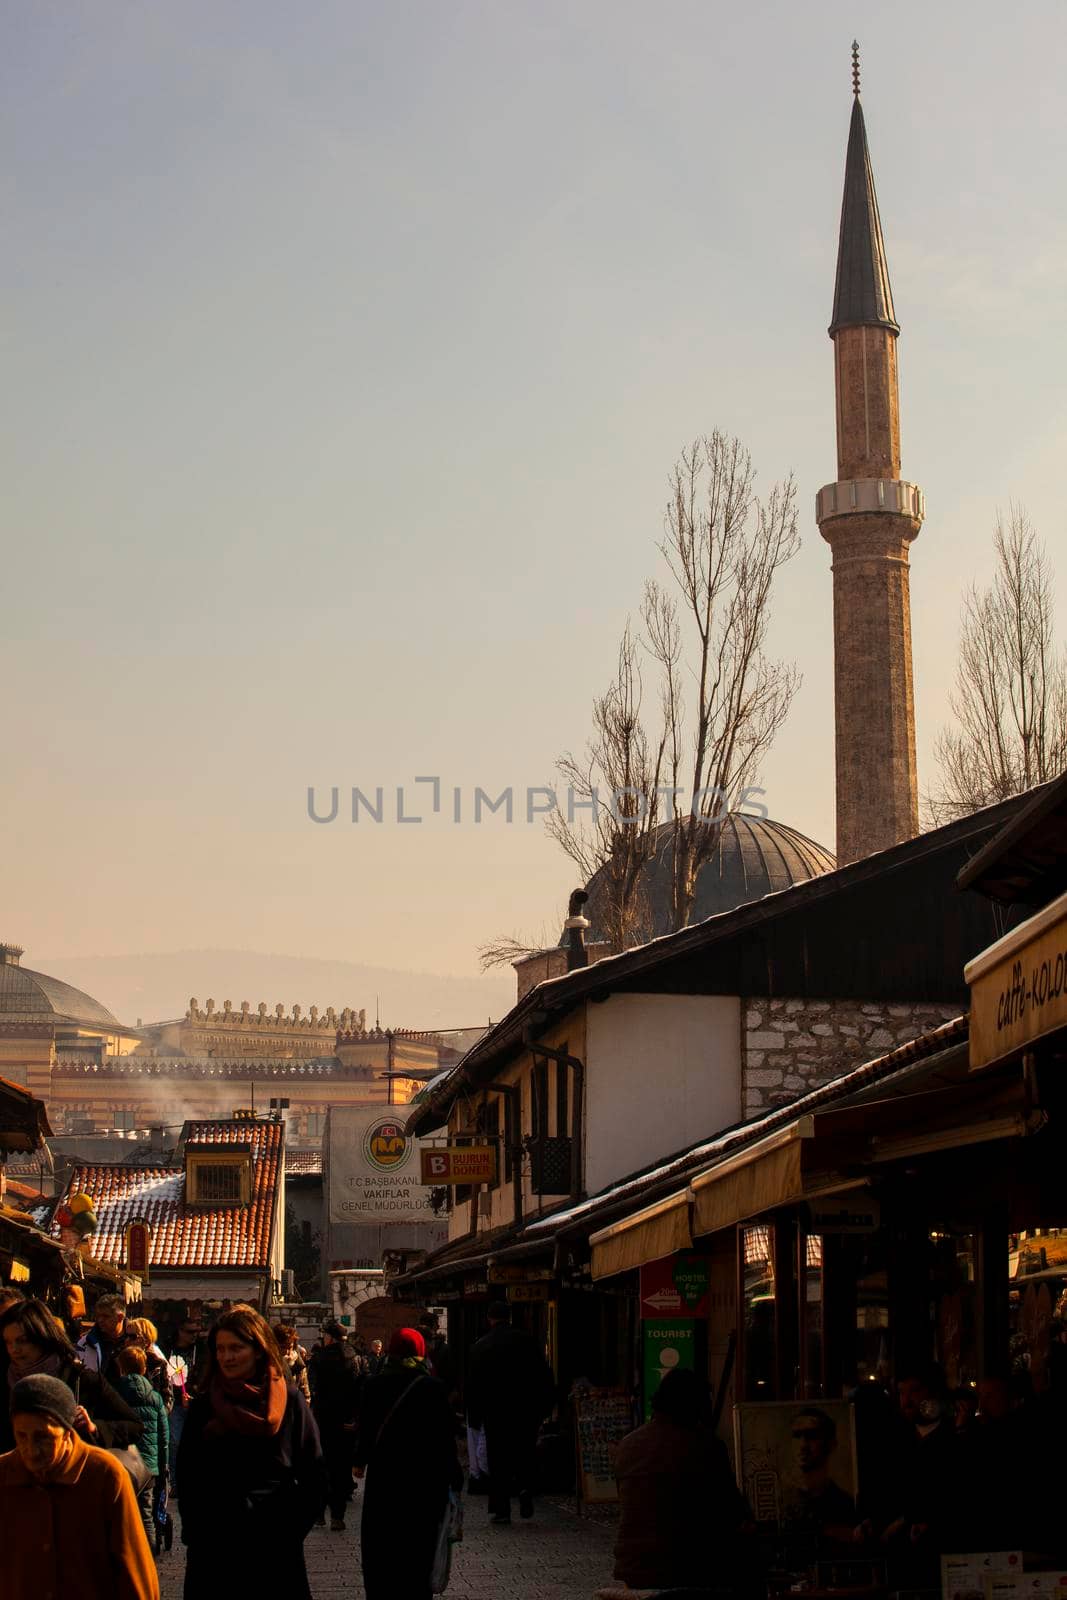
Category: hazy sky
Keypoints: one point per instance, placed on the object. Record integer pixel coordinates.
(347, 350)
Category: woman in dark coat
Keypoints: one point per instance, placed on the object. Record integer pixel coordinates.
(336, 1387)
(407, 1447)
(34, 1341)
(250, 1466)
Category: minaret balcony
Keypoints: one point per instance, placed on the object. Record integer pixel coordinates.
(870, 495)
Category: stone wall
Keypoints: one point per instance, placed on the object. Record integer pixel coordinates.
(791, 1046)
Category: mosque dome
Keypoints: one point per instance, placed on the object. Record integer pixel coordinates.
(35, 993)
(754, 856)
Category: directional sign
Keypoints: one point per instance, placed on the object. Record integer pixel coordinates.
(675, 1287)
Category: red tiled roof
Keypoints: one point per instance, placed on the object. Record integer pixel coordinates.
(304, 1163)
(187, 1236)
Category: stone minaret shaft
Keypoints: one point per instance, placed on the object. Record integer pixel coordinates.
(868, 518)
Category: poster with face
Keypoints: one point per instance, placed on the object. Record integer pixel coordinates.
(797, 1463)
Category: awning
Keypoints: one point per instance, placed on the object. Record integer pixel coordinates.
(768, 1174)
(648, 1235)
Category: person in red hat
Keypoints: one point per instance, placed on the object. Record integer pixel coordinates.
(406, 1450)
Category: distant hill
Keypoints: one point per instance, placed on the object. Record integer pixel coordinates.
(158, 987)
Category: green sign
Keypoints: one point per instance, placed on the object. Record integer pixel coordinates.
(669, 1343)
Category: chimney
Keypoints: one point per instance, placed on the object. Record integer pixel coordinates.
(10, 955)
(574, 928)
(157, 1137)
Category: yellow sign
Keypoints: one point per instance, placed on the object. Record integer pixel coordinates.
(467, 1163)
(1019, 987)
(527, 1291)
(20, 1271)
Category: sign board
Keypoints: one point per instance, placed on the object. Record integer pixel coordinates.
(503, 1272)
(668, 1344)
(138, 1249)
(853, 1212)
(601, 1418)
(1023, 995)
(677, 1286)
(525, 1292)
(373, 1168)
(459, 1163)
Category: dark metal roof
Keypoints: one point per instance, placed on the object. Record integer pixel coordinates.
(846, 934)
(22, 989)
(1026, 862)
(754, 856)
(23, 1120)
(862, 294)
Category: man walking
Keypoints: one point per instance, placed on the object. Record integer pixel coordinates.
(509, 1393)
(336, 1390)
(99, 1347)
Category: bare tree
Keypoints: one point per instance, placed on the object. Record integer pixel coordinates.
(1010, 696)
(505, 950)
(616, 786)
(722, 547)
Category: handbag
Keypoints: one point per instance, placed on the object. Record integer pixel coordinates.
(449, 1532)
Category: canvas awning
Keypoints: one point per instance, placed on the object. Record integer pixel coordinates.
(767, 1174)
(647, 1235)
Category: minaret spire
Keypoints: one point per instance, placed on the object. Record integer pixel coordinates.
(869, 516)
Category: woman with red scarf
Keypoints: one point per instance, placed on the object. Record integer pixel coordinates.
(250, 1466)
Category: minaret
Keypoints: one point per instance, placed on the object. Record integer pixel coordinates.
(868, 518)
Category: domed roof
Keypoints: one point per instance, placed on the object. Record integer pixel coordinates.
(23, 990)
(754, 856)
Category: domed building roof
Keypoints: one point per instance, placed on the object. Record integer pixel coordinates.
(754, 856)
(26, 991)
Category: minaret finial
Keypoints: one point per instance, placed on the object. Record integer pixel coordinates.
(855, 68)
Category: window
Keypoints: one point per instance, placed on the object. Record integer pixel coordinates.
(563, 1105)
(219, 1183)
(315, 1124)
(214, 1179)
(758, 1346)
(123, 1121)
(539, 1100)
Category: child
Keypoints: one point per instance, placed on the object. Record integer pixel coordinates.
(139, 1394)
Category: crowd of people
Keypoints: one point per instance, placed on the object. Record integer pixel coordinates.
(937, 1472)
(254, 1438)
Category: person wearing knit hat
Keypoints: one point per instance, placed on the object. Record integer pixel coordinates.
(407, 1344)
(406, 1447)
(66, 1509)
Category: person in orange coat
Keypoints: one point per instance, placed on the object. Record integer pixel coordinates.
(69, 1522)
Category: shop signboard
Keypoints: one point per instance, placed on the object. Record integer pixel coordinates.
(373, 1168)
(458, 1163)
(1019, 987)
(524, 1293)
(505, 1272)
(669, 1343)
(138, 1248)
(677, 1286)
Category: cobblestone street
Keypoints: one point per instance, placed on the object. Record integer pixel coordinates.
(554, 1557)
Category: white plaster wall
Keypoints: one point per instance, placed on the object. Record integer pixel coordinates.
(663, 1071)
